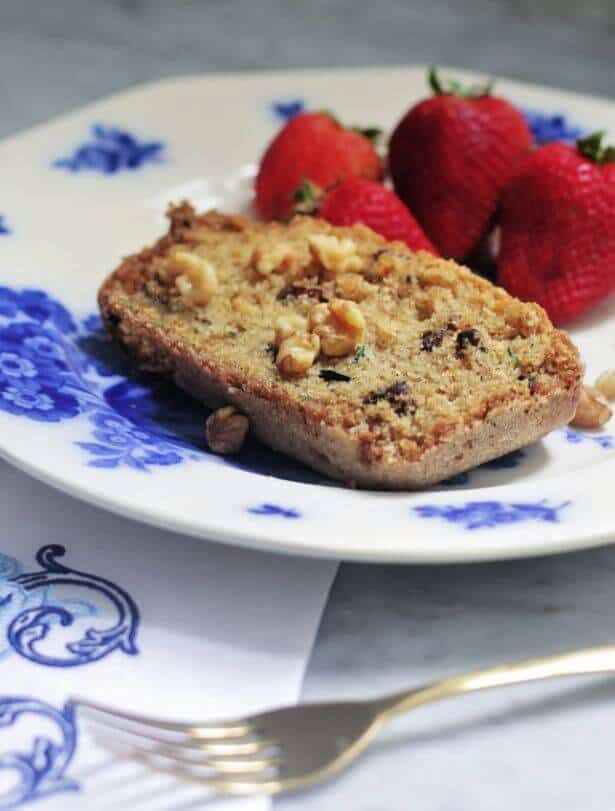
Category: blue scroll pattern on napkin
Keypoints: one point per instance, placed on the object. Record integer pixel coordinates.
(111, 150)
(33, 624)
(16, 600)
(41, 771)
(30, 609)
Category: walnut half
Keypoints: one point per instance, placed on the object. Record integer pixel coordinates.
(296, 354)
(195, 277)
(339, 324)
(593, 411)
(225, 430)
(334, 254)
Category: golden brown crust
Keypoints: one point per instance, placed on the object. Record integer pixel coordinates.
(410, 415)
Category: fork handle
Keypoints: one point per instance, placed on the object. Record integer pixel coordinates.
(575, 663)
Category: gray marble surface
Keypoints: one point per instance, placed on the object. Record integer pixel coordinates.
(385, 628)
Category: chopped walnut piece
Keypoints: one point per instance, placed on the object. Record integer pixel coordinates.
(287, 325)
(225, 430)
(334, 254)
(269, 257)
(605, 384)
(195, 277)
(339, 324)
(353, 286)
(296, 354)
(593, 411)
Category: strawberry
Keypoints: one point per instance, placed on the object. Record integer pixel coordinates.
(365, 201)
(316, 147)
(451, 156)
(558, 228)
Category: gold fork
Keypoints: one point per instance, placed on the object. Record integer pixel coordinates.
(293, 748)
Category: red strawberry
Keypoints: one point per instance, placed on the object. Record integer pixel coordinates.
(368, 202)
(313, 146)
(558, 228)
(451, 156)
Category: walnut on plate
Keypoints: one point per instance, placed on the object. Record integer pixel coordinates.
(225, 430)
(593, 411)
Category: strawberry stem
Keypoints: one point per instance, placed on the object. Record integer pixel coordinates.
(451, 87)
(592, 147)
(307, 197)
(371, 133)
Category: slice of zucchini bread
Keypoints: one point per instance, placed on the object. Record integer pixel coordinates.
(370, 363)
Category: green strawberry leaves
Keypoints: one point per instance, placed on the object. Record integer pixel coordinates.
(593, 147)
(373, 134)
(307, 197)
(451, 87)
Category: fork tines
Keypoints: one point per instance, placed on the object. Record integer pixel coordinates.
(218, 753)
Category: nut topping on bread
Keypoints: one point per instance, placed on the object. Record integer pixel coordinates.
(368, 362)
(340, 325)
(297, 353)
(195, 278)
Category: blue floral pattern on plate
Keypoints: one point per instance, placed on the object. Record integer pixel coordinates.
(4, 229)
(54, 368)
(285, 109)
(482, 514)
(41, 771)
(111, 150)
(605, 441)
(548, 127)
(274, 510)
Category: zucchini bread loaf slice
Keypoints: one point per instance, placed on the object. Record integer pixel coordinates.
(367, 362)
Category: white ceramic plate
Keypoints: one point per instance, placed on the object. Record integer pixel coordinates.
(82, 191)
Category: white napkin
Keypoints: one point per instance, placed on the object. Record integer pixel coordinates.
(205, 631)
